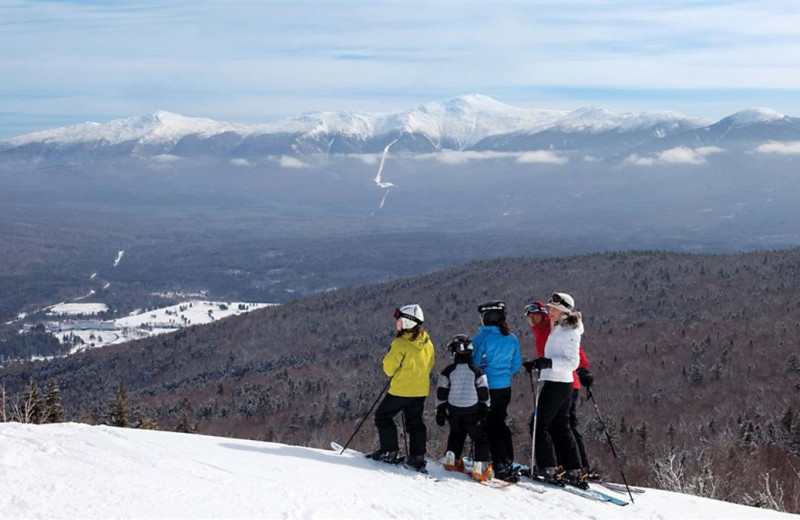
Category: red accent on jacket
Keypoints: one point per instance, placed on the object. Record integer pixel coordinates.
(540, 333)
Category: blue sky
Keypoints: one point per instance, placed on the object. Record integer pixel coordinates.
(249, 62)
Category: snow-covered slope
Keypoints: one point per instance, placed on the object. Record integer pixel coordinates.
(80, 471)
(157, 127)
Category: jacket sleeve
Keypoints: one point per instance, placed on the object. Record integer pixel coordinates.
(482, 387)
(443, 388)
(479, 352)
(584, 361)
(516, 360)
(566, 354)
(392, 360)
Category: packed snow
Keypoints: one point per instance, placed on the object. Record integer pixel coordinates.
(80, 471)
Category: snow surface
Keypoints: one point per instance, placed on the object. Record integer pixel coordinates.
(77, 309)
(80, 471)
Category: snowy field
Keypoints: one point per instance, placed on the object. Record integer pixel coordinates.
(77, 309)
(144, 324)
(80, 471)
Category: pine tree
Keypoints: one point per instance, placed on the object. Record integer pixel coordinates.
(54, 412)
(118, 408)
(185, 426)
(142, 421)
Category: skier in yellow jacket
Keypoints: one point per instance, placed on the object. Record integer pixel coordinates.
(409, 363)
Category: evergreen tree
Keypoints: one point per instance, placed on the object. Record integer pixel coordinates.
(185, 426)
(118, 409)
(54, 412)
(142, 421)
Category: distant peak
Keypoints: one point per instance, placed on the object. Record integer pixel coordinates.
(755, 115)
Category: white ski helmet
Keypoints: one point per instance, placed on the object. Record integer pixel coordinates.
(410, 316)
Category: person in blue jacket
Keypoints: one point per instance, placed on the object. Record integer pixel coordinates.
(497, 352)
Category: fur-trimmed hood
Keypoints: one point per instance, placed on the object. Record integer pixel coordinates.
(570, 321)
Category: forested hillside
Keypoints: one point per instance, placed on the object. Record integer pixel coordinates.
(696, 362)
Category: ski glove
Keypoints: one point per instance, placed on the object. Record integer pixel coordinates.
(529, 366)
(585, 377)
(542, 363)
(441, 414)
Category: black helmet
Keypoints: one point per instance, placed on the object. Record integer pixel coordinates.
(460, 344)
(493, 313)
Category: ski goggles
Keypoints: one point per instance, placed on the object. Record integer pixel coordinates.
(556, 299)
(399, 314)
(495, 306)
(533, 308)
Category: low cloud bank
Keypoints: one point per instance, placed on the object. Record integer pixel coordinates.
(780, 148)
(678, 155)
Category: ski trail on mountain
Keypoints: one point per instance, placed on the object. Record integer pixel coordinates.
(378, 180)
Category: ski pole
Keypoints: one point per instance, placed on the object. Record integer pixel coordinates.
(367, 415)
(535, 390)
(608, 436)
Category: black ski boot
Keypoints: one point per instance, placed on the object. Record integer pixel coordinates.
(577, 478)
(592, 475)
(416, 462)
(505, 471)
(382, 455)
(553, 477)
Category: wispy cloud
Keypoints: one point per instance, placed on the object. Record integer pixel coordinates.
(287, 161)
(462, 157)
(780, 148)
(678, 155)
(542, 156)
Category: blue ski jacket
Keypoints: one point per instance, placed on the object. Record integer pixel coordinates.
(499, 356)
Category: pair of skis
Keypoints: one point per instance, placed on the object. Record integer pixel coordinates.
(534, 484)
(492, 483)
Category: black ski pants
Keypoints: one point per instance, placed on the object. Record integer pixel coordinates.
(553, 432)
(463, 422)
(412, 408)
(573, 425)
(500, 441)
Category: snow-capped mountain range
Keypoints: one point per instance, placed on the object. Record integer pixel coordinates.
(469, 122)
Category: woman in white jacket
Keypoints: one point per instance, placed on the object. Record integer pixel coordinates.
(561, 357)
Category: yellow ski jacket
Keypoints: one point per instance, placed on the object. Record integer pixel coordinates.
(409, 363)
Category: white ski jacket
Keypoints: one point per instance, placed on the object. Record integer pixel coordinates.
(563, 347)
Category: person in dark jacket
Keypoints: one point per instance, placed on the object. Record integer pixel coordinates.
(462, 398)
(497, 353)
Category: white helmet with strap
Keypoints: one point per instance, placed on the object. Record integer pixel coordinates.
(410, 316)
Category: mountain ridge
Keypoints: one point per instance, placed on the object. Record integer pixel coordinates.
(467, 122)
